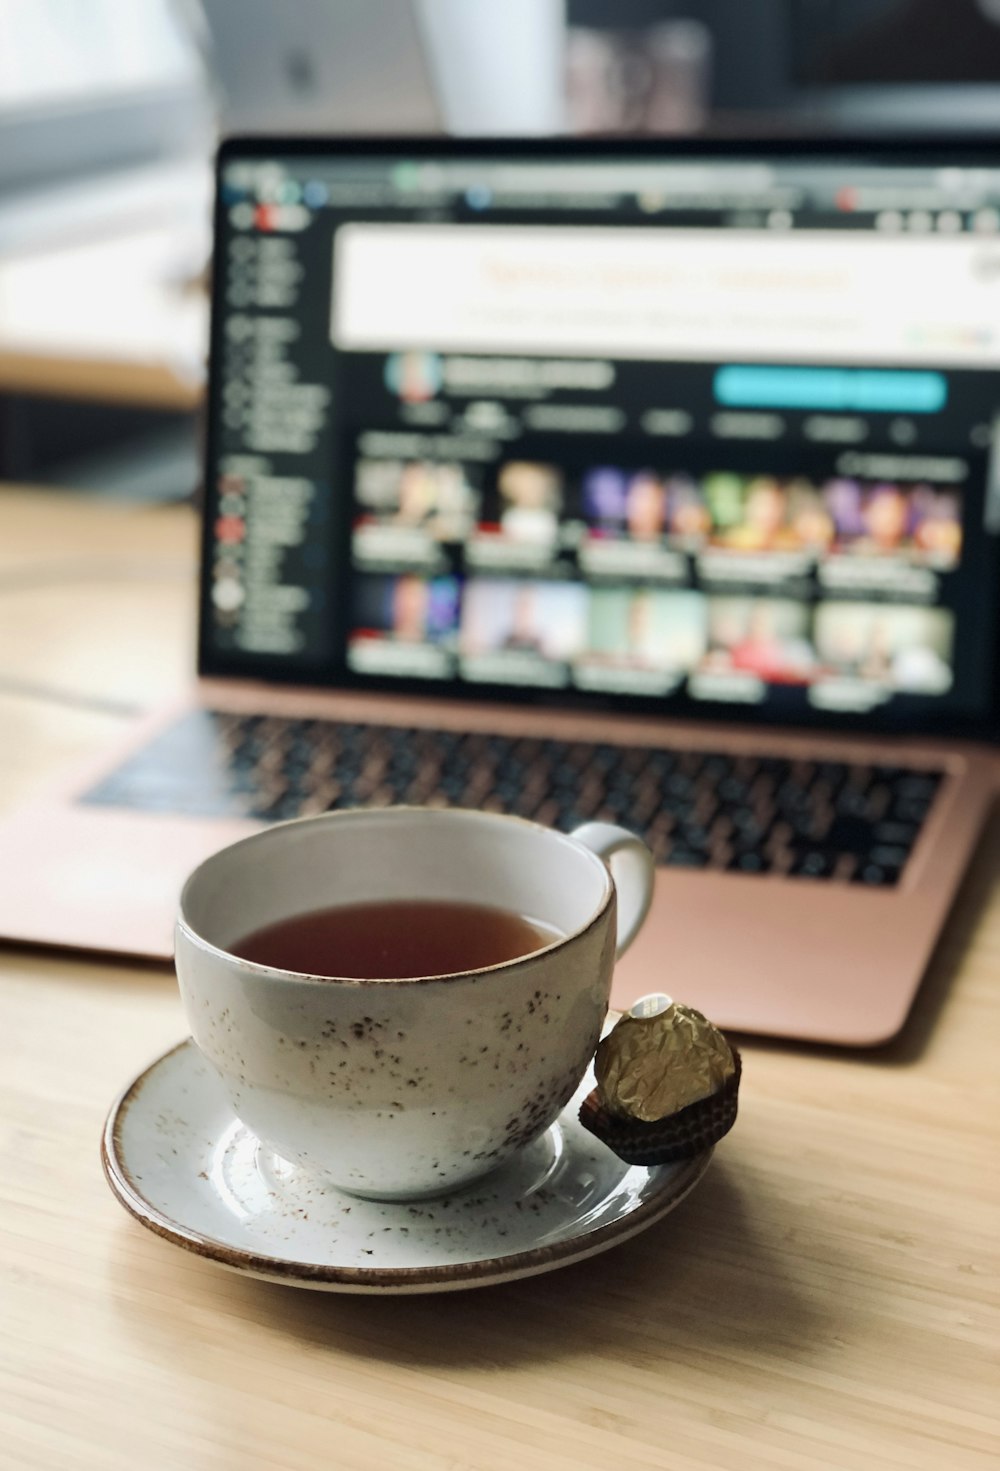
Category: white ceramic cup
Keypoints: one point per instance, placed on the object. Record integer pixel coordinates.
(399, 1088)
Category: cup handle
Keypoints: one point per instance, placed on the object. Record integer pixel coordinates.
(632, 868)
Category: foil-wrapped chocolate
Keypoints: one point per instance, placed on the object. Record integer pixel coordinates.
(661, 1058)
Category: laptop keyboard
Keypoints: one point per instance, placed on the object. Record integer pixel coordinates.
(818, 820)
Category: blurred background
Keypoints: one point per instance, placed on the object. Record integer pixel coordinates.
(110, 111)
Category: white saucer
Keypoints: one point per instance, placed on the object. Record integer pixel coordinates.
(180, 1161)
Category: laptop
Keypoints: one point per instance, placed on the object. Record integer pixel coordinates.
(644, 482)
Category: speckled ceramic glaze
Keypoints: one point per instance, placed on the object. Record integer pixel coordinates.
(406, 1088)
(187, 1169)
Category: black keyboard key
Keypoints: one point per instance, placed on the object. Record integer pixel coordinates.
(619, 804)
(680, 786)
(733, 789)
(903, 833)
(686, 858)
(848, 835)
(877, 875)
(813, 864)
(910, 809)
(604, 759)
(790, 798)
(659, 766)
(803, 827)
(917, 784)
(852, 802)
(691, 835)
(748, 838)
(740, 816)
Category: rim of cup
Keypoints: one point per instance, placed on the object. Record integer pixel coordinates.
(381, 814)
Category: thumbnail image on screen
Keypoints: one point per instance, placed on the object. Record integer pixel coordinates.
(436, 498)
(644, 628)
(643, 505)
(531, 502)
(917, 522)
(762, 513)
(404, 626)
(765, 637)
(906, 649)
(506, 614)
(409, 609)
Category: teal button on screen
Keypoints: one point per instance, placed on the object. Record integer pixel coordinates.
(859, 390)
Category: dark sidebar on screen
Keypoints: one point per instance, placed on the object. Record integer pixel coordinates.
(273, 600)
(575, 518)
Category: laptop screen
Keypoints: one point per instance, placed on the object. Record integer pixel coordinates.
(685, 431)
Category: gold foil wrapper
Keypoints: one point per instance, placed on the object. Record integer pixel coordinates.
(650, 1067)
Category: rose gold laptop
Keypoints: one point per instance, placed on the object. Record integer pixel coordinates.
(657, 484)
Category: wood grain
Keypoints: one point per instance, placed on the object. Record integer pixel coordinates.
(826, 1299)
(97, 618)
(59, 374)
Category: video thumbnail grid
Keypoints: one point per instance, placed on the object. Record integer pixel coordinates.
(635, 580)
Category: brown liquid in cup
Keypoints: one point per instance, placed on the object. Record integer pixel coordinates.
(394, 939)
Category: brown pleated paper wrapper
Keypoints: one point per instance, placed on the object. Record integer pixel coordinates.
(682, 1135)
(667, 1084)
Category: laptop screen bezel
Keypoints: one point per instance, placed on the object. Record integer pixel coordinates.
(927, 152)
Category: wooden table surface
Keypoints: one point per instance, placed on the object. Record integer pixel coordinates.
(826, 1298)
